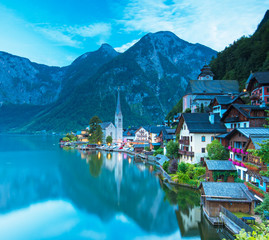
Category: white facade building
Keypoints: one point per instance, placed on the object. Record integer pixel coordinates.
(108, 129)
(141, 134)
(196, 130)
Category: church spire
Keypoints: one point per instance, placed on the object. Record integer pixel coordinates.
(118, 109)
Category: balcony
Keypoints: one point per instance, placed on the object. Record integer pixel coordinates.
(186, 153)
(232, 119)
(184, 141)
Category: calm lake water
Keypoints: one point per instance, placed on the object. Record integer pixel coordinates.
(50, 193)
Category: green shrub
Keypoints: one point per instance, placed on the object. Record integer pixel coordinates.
(183, 167)
(166, 165)
(182, 178)
(158, 151)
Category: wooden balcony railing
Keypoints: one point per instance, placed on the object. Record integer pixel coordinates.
(186, 153)
(184, 141)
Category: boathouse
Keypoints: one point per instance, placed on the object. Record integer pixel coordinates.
(235, 197)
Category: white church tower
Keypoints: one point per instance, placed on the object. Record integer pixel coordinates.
(118, 121)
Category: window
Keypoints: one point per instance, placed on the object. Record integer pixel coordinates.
(212, 138)
(245, 125)
(203, 138)
(191, 138)
(203, 150)
(268, 90)
(267, 100)
(260, 91)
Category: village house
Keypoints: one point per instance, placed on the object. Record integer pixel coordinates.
(154, 132)
(82, 136)
(166, 135)
(220, 104)
(139, 148)
(141, 135)
(195, 131)
(235, 197)
(220, 170)
(129, 135)
(108, 129)
(241, 115)
(202, 91)
(258, 86)
(238, 141)
(153, 139)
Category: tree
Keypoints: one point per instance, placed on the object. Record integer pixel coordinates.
(216, 151)
(98, 135)
(109, 139)
(66, 139)
(172, 149)
(187, 110)
(94, 122)
(264, 206)
(95, 133)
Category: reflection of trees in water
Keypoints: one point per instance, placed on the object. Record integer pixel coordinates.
(183, 197)
(95, 164)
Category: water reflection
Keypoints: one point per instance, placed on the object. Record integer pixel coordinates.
(66, 194)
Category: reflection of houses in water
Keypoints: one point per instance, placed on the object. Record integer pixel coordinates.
(188, 221)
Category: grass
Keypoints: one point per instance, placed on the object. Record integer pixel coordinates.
(240, 214)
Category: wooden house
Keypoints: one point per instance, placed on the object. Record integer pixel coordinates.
(248, 166)
(258, 86)
(223, 170)
(235, 197)
(139, 148)
(220, 104)
(241, 115)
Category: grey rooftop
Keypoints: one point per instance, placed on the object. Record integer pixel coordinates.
(220, 165)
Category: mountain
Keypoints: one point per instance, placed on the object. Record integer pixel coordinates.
(245, 55)
(152, 76)
(25, 82)
(85, 66)
(28, 89)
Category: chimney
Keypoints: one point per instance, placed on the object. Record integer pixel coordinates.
(211, 118)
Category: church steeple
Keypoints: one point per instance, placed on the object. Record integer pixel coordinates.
(118, 109)
(118, 120)
(206, 73)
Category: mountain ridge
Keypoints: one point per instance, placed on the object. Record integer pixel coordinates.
(152, 75)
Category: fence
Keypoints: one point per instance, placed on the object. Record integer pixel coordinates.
(235, 219)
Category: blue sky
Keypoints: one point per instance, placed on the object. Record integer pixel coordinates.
(55, 32)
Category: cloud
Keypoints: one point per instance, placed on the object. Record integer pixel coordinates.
(58, 35)
(126, 46)
(212, 23)
(71, 35)
(98, 29)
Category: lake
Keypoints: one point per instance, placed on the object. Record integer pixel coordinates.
(47, 192)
